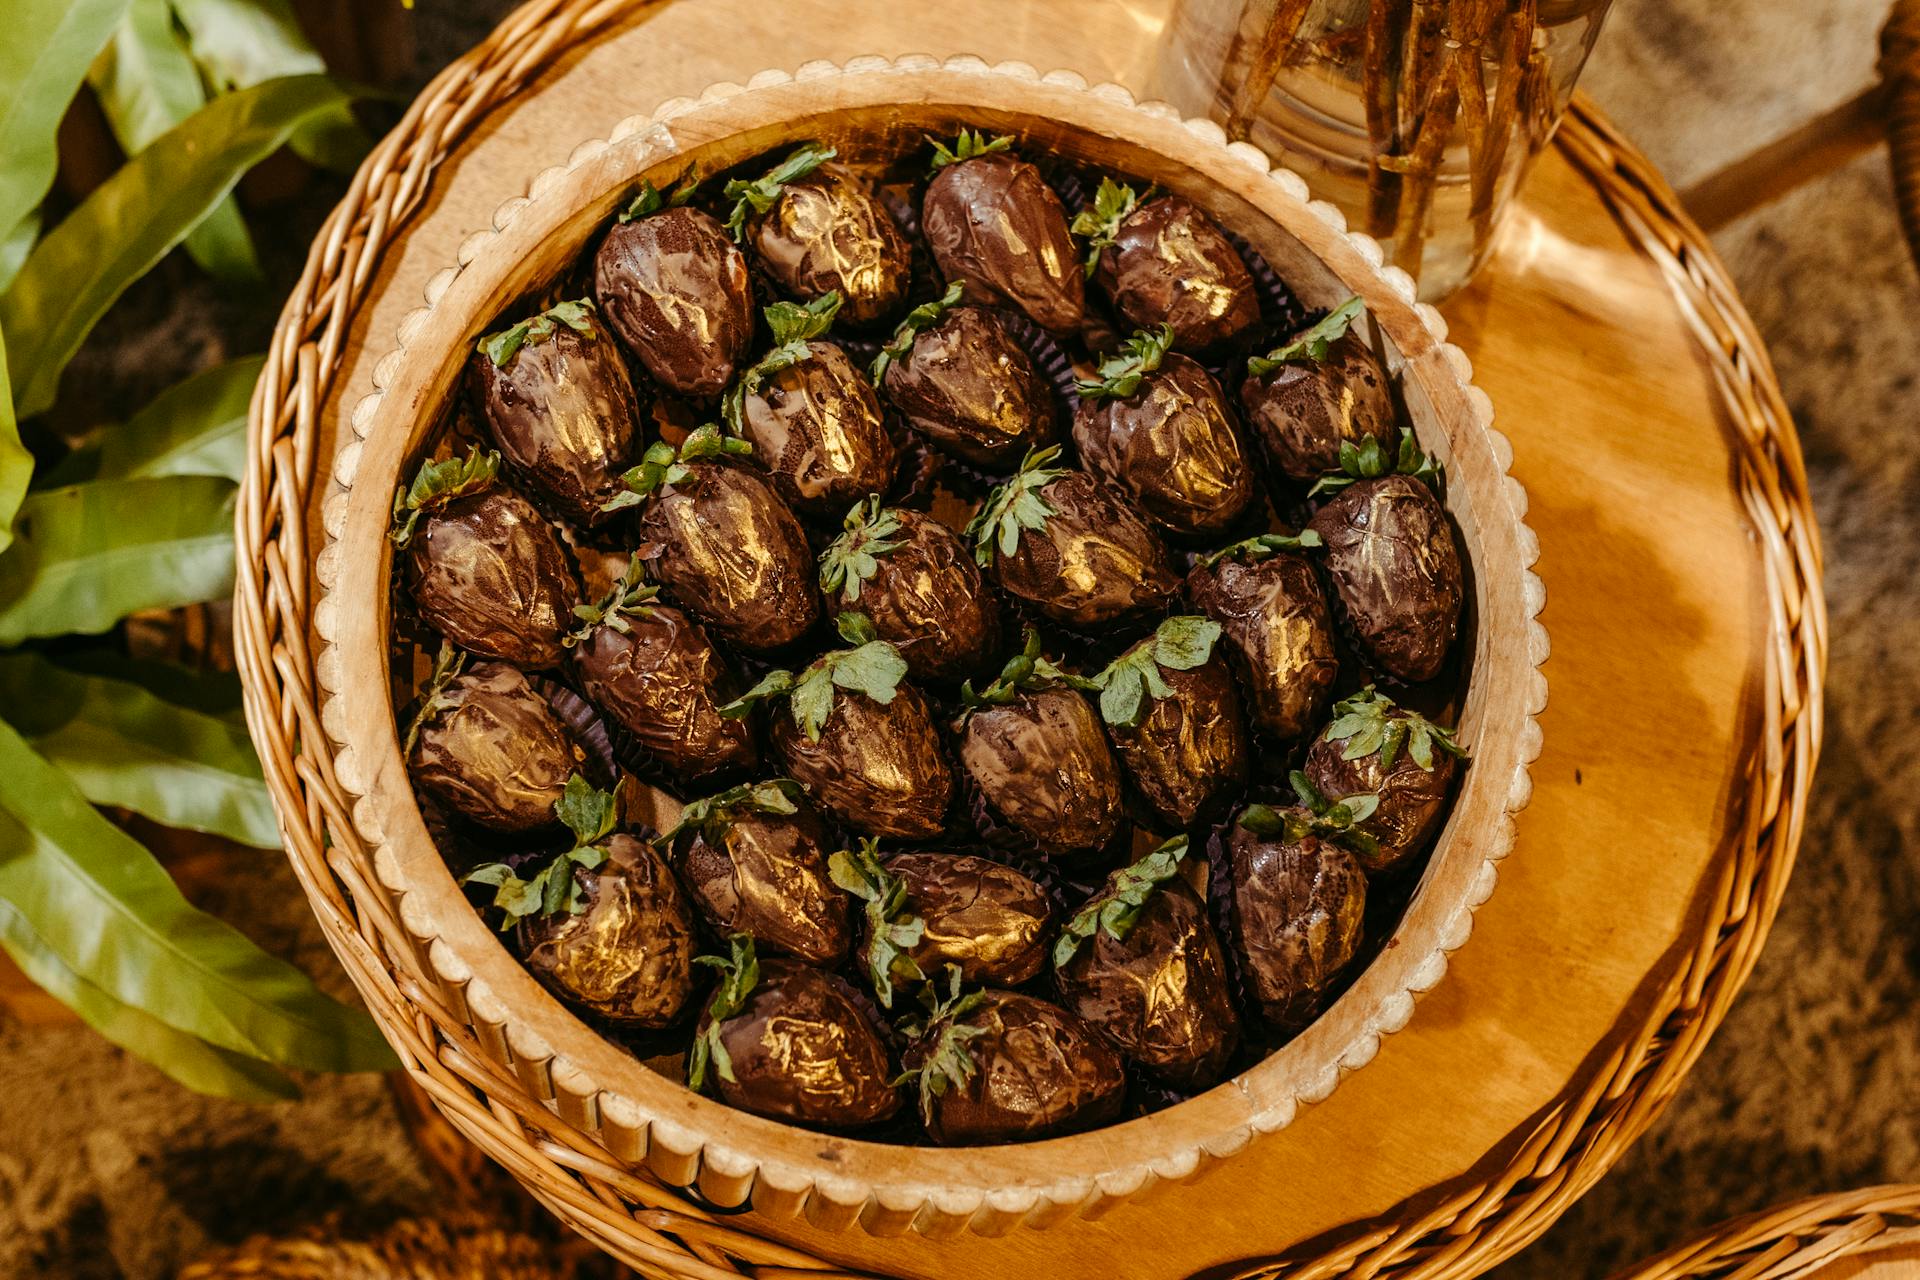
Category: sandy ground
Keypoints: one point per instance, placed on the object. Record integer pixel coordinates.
(108, 1171)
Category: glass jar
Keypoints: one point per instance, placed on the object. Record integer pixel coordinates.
(1419, 118)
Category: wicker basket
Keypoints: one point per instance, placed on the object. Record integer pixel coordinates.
(638, 1120)
(1870, 1234)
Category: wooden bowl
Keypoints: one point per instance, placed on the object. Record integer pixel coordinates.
(646, 1120)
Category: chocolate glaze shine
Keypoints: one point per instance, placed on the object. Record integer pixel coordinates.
(828, 232)
(674, 288)
(816, 428)
(1303, 411)
(1191, 751)
(1159, 994)
(967, 386)
(1413, 801)
(802, 1050)
(928, 598)
(628, 957)
(994, 223)
(488, 572)
(1040, 1072)
(983, 917)
(1043, 764)
(1169, 264)
(768, 877)
(563, 413)
(1391, 556)
(663, 680)
(733, 554)
(1096, 561)
(1172, 447)
(1297, 909)
(1278, 636)
(495, 752)
(878, 767)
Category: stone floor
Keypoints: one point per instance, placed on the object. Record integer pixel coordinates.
(106, 1171)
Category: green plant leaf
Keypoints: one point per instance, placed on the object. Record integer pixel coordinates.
(1315, 343)
(1100, 221)
(16, 464)
(15, 245)
(123, 746)
(187, 1059)
(739, 975)
(966, 145)
(1118, 905)
(1017, 504)
(1122, 374)
(90, 554)
(211, 693)
(242, 43)
(146, 83)
(115, 919)
(194, 428)
(133, 218)
(757, 195)
(43, 60)
(908, 330)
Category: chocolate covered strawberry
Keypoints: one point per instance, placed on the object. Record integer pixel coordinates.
(484, 568)
(487, 745)
(860, 741)
(1319, 390)
(556, 398)
(1069, 547)
(913, 578)
(812, 419)
(962, 381)
(673, 287)
(1157, 427)
(1273, 617)
(995, 225)
(1164, 262)
(817, 230)
(1375, 747)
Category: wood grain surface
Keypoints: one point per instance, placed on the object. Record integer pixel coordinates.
(1654, 605)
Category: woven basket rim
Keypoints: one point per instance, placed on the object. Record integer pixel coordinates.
(1116, 1161)
(1484, 1217)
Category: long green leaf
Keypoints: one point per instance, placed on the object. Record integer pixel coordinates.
(147, 83)
(114, 918)
(45, 46)
(241, 43)
(133, 218)
(123, 746)
(211, 693)
(16, 244)
(16, 464)
(194, 428)
(90, 554)
(191, 1061)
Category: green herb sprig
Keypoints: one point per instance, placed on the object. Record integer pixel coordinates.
(1117, 908)
(949, 1064)
(893, 930)
(630, 597)
(1015, 505)
(1313, 345)
(1026, 671)
(652, 200)
(1317, 816)
(438, 483)
(576, 315)
(712, 815)
(1369, 460)
(872, 667)
(1122, 374)
(447, 665)
(739, 975)
(1100, 221)
(909, 329)
(757, 195)
(662, 464)
(1262, 546)
(1370, 722)
(854, 557)
(1132, 681)
(591, 814)
(968, 145)
(792, 326)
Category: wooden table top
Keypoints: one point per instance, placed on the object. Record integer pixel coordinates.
(1655, 607)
